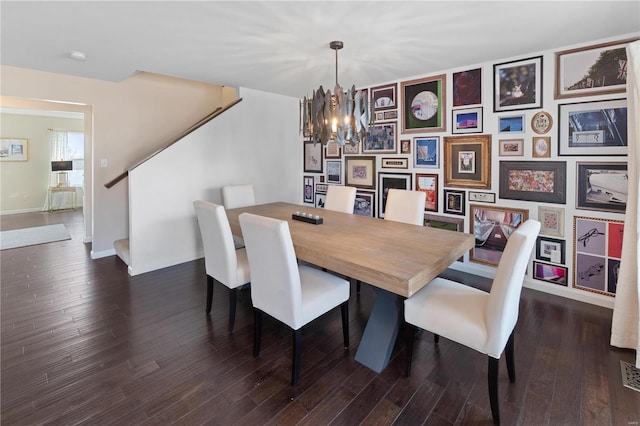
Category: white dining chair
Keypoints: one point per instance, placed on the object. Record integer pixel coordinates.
(292, 294)
(479, 320)
(236, 196)
(223, 263)
(405, 206)
(340, 198)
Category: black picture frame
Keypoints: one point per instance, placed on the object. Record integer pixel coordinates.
(544, 245)
(388, 181)
(454, 202)
(544, 182)
(599, 186)
(517, 85)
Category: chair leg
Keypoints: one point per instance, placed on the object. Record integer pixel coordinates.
(509, 354)
(344, 309)
(436, 338)
(358, 284)
(411, 335)
(233, 297)
(257, 331)
(209, 293)
(493, 389)
(297, 354)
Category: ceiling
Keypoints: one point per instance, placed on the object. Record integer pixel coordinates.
(283, 47)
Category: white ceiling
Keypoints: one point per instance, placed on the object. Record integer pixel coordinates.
(282, 47)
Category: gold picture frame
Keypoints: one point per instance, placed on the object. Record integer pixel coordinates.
(467, 161)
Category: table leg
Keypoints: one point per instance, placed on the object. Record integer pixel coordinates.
(381, 331)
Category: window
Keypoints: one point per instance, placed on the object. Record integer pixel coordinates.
(67, 146)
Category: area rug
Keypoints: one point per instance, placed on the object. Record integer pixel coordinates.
(32, 236)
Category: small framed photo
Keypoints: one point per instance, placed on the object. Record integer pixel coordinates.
(332, 150)
(444, 222)
(360, 172)
(428, 183)
(468, 120)
(350, 148)
(14, 149)
(387, 181)
(308, 189)
(551, 220)
(467, 87)
(405, 146)
(321, 187)
(482, 197)
(381, 139)
(334, 171)
(553, 274)
(454, 202)
(313, 158)
(602, 186)
(467, 161)
(364, 204)
(320, 197)
(517, 85)
(544, 182)
(423, 104)
(541, 122)
(384, 97)
(541, 147)
(511, 124)
(426, 152)
(550, 250)
(511, 147)
(394, 163)
(390, 115)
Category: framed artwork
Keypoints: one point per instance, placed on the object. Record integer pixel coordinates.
(482, 197)
(405, 146)
(467, 161)
(390, 115)
(387, 181)
(597, 249)
(395, 163)
(544, 182)
(467, 87)
(350, 148)
(511, 147)
(467, 120)
(541, 122)
(332, 150)
(492, 227)
(454, 202)
(599, 69)
(334, 171)
(320, 197)
(511, 124)
(14, 149)
(321, 187)
(541, 147)
(550, 273)
(384, 97)
(444, 222)
(602, 186)
(550, 249)
(428, 183)
(308, 189)
(364, 204)
(517, 85)
(360, 172)
(551, 220)
(381, 139)
(426, 152)
(423, 104)
(313, 157)
(593, 128)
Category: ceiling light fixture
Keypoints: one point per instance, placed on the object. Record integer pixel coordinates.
(77, 55)
(342, 116)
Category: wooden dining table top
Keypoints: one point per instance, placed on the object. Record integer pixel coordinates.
(394, 256)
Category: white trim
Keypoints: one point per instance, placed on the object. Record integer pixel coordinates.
(101, 254)
(32, 210)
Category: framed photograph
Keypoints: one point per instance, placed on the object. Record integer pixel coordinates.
(511, 124)
(395, 163)
(482, 197)
(426, 152)
(597, 249)
(428, 183)
(541, 122)
(14, 149)
(308, 189)
(360, 172)
(517, 85)
(332, 150)
(454, 202)
(381, 139)
(364, 204)
(593, 128)
(467, 87)
(599, 69)
(423, 104)
(467, 161)
(544, 182)
(551, 220)
(334, 171)
(550, 250)
(444, 222)
(541, 147)
(602, 186)
(313, 160)
(384, 97)
(511, 147)
(321, 187)
(320, 197)
(390, 115)
(387, 181)
(405, 146)
(492, 227)
(349, 148)
(468, 120)
(550, 273)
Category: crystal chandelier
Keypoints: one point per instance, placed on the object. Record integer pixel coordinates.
(340, 116)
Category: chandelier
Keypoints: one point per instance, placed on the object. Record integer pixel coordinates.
(340, 116)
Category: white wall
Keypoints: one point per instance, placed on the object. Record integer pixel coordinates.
(256, 142)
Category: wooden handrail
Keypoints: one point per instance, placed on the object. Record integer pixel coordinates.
(191, 129)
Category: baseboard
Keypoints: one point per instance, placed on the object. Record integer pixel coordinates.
(33, 210)
(101, 254)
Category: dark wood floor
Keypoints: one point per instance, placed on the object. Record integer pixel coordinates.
(84, 343)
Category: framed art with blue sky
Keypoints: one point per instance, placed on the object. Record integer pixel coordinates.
(426, 152)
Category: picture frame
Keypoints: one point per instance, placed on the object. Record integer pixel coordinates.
(332, 150)
(334, 172)
(381, 139)
(14, 149)
(511, 147)
(388, 181)
(541, 122)
(405, 146)
(360, 171)
(543, 182)
(384, 97)
(467, 87)
(444, 222)
(321, 187)
(364, 204)
(467, 120)
(551, 221)
(454, 202)
(517, 85)
(554, 274)
(457, 150)
(602, 186)
(307, 189)
(426, 152)
(350, 148)
(550, 249)
(313, 158)
(428, 183)
(482, 197)
(319, 201)
(511, 124)
(394, 163)
(606, 124)
(492, 226)
(423, 104)
(598, 69)
(541, 147)
(390, 115)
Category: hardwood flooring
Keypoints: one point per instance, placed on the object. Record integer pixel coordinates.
(84, 343)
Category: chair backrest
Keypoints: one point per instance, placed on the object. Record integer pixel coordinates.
(275, 278)
(405, 206)
(504, 300)
(220, 259)
(340, 198)
(235, 196)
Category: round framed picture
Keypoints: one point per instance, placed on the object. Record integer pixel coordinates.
(541, 147)
(541, 122)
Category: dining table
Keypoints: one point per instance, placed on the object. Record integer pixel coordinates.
(395, 258)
